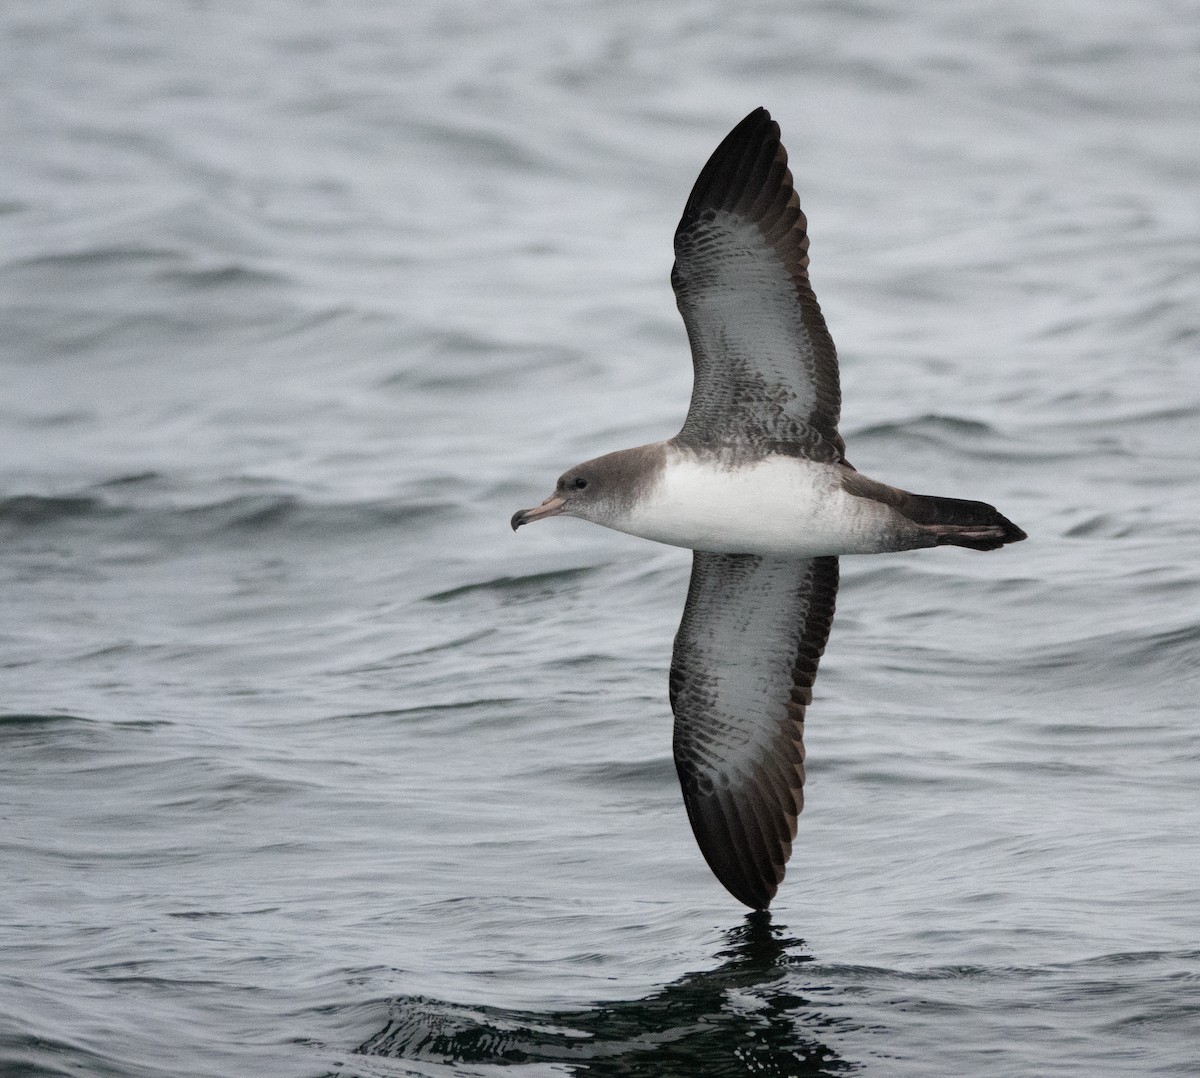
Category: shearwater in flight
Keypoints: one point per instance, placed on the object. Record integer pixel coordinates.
(756, 484)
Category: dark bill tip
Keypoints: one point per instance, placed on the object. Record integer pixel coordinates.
(551, 507)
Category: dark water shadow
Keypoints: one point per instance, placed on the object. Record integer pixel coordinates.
(744, 1017)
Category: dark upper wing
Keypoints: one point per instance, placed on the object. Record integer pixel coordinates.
(766, 368)
(745, 659)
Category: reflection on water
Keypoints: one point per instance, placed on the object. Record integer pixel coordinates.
(744, 1017)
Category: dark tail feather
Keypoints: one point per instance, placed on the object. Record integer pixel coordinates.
(958, 522)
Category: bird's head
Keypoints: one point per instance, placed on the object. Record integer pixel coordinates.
(601, 490)
(578, 493)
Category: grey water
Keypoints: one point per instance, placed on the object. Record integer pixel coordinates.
(310, 767)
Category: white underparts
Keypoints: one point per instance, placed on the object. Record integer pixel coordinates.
(778, 505)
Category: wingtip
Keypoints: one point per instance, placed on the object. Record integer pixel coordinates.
(737, 164)
(755, 124)
(759, 902)
(736, 854)
(759, 114)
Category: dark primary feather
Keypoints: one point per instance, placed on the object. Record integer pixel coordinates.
(766, 374)
(745, 659)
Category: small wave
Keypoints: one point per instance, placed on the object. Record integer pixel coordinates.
(512, 583)
(16, 718)
(250, 511)
(1104, 526)
(131, 479)
(656, 774)
(34, 1056)
(931, 425)
(270, 511)
(100, 256)
(220, 915)
(965, 437)
(389, 661)
(447, 359)
(1166, 651)
(1105, 970)
(174, 267)
(230, 275)
(135, 503)
(487, 146)
(33, 509)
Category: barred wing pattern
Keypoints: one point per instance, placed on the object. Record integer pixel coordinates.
(745, 659)
(766, 376)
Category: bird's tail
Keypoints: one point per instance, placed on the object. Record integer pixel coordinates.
(959, 522)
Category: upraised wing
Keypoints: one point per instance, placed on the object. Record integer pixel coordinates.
(746, 655)
(766, 372)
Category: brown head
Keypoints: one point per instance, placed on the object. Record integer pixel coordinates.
(600, 490)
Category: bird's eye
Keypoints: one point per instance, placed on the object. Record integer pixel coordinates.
(580, 482)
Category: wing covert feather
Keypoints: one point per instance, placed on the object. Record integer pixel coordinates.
(766, 371)
(744, 663)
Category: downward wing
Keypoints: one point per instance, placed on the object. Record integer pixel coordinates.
(746, 655)
(765, 366)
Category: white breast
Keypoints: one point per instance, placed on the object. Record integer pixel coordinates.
(779, 505)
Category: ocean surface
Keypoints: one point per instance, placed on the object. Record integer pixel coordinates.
(310, 767)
